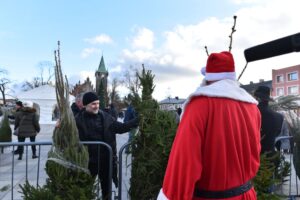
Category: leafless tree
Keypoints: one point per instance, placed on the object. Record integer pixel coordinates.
(131, 80)
(45, 76)
(114, 93)
(4, 82)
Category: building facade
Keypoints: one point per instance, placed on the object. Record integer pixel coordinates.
(82, 88)
(171, 103)
(286, 81)
(250, 88)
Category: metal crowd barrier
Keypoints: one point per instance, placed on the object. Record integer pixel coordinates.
(291, 195)
(40, 144)
(121, 169)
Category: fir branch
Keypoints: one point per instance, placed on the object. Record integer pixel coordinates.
(232, 31)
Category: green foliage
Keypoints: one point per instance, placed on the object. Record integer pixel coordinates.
(63, 183)
(67, 161)
(289, 104)
(146, 80)
(295, 129)
(296, 160)
(5, 188)
(269, 177)
(264, 181)
(31, 193)
(68, 183)
(151, 147)
(5, 130)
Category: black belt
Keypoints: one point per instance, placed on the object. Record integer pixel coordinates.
(236, 191)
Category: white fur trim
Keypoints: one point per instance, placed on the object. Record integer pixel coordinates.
(203, 71)
(28, 104)
(220, 76)
(161, 195)
(224, 89)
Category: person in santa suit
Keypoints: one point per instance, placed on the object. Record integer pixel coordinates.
(216, 151)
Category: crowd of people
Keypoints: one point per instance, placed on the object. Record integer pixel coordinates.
(222, 130)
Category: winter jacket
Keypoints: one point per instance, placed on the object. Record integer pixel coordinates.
(101, 127)
(271, 123)
(27, 122)
(75, 109)
(129, 114)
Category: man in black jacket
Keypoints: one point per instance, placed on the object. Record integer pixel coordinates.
(271, 121)
(77, 105)
(96, 125)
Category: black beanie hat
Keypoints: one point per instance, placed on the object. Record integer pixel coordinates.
(89, 97)
(19, 103)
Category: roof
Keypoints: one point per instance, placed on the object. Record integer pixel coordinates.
(250, 88)
(172, 101)
(44, 92)
(102, 67)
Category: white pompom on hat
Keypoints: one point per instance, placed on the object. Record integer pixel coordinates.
(28, 104)
(219, 66)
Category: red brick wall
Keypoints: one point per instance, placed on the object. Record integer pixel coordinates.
(285, 84)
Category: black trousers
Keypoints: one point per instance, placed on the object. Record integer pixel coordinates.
(102, 171)
(20, 149)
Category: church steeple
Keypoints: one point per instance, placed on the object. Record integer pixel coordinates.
(101, 83)
(102, 68)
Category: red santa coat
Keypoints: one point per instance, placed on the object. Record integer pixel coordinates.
(217, 144)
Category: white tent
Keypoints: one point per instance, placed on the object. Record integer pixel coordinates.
(45, 97)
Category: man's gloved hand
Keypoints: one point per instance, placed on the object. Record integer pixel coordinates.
(135, 121)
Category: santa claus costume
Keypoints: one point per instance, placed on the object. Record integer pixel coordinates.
(215, 154)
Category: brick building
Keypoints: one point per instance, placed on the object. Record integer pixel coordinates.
(286, 81)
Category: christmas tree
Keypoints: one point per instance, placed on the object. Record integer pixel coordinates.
(152, 145)
(67, 164)
(5, 130)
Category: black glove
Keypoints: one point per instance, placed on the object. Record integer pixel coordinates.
(134, 122)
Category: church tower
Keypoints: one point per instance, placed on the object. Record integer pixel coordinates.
(101, 83)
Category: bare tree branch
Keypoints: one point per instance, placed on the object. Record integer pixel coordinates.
(206, 51)
(131, 80)
(4, 85)
(46, 78)
(232, 31)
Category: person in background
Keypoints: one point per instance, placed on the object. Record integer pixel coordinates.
(27, 123)
(216, 151)
(112, 111)
(19, 106)
(179, 111)
(271, 121)
(77, 105)
(129, 115)
(96, 125)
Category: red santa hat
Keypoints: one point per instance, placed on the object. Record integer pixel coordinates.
(219, 66)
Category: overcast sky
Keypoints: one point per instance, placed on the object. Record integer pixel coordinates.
(167, 36)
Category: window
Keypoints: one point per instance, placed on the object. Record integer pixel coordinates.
(293, 76)
(279, 92)
(279, 79)
(293, 90)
